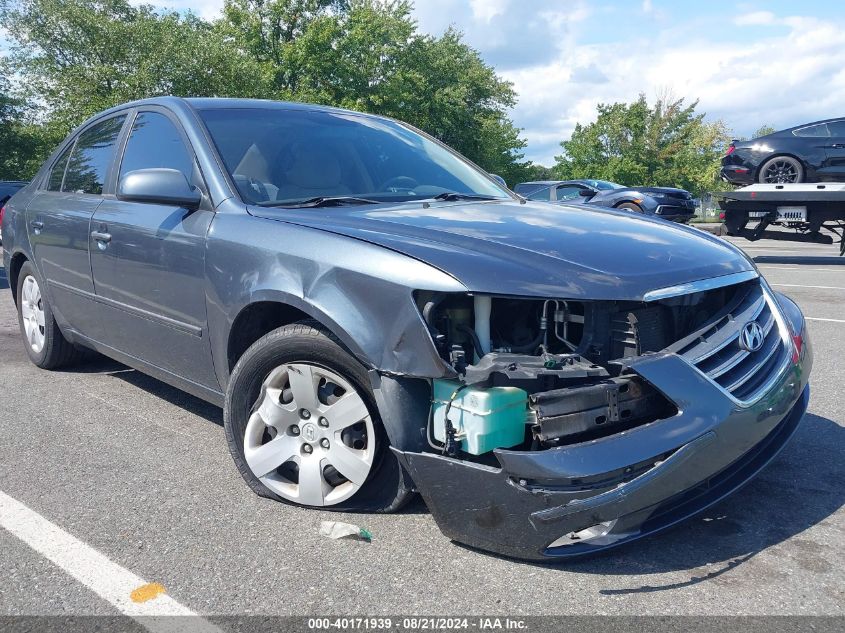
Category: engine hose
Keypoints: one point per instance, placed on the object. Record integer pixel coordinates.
(428, 309)
(476, 343)
(528, 347)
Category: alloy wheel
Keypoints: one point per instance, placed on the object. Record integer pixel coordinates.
(32, 313)
(310, 438)
(781, 171)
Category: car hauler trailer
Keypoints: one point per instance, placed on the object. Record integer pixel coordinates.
(807, 209)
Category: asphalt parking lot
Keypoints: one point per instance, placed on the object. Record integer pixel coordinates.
(140, 472)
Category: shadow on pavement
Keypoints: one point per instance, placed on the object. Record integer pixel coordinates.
(177, 397)
(801, 488)
(800, 259)
(798, 490)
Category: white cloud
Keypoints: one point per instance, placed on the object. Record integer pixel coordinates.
(565, 58)
(755, 18)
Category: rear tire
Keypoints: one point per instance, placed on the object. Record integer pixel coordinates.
(781, 169)
(267, 401)
(44, 342)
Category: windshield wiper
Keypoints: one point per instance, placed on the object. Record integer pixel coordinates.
(450, 196)
(318, 201)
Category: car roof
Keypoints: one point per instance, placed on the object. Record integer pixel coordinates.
(786, 130)
(221, 103)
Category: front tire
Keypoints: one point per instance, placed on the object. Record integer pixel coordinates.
(44, 342)
(302, 425)
(781, 170)
(630, 206)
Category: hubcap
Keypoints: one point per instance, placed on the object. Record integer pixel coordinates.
(781, 171)
(311, 438)
(32, 314)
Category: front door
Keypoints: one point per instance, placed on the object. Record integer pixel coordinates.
(148, 261)
(835, 150)
(58, 219)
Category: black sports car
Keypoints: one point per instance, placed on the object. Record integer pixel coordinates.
(812, 152)
(663, 202)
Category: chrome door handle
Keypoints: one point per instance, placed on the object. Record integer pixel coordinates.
(101, 237)
(37, 226)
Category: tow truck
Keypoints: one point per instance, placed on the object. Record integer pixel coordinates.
(815, 212)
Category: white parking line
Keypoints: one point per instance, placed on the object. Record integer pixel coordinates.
(802, 268)
(130, 594)
(826, 320)
(806, 286)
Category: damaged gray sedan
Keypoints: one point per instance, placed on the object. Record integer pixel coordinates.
(377, 316)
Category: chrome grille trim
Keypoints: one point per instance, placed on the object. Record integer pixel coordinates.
(729, 336)
(743, 375)
(699, 286)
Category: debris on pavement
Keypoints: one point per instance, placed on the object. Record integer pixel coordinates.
(339, 529)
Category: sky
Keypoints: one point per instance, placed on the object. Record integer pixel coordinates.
(778, 62)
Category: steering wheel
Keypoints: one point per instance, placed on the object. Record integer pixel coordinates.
(399, 183)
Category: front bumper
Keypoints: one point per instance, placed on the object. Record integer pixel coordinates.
(575, 500)
(675, 213)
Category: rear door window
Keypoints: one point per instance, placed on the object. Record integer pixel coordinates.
(568, 192)
(92, 156)
(542, 194)
(837, 128)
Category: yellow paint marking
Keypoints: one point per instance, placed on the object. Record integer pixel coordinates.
(147, 592)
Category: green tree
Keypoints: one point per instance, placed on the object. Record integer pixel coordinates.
(665, 144)
(23, 144)
(367, 55)
(78, 57)
(764, 130)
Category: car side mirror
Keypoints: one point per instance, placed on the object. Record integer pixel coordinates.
(499, 180)
(159, 186)
(586, 193)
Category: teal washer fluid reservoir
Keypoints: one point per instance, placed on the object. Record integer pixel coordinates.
(484, 419)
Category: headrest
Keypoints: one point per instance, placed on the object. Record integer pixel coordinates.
(313, 167)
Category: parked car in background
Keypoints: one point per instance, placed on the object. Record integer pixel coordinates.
(8, 188)
(663, 202)
(813, 152)
(376, 316)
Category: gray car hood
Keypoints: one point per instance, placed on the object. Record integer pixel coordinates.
(533, 249)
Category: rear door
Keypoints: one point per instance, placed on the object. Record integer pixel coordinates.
(835, 149)
(149, 271)
(58, 218)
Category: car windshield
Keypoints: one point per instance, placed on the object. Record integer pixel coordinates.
(603, 184)
(278, 156)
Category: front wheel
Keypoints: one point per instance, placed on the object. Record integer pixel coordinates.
(302, 425)
(630, 206)
(781, 169)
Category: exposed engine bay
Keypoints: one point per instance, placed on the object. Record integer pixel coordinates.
(535, 374)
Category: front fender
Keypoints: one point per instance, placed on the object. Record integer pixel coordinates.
(363, 293)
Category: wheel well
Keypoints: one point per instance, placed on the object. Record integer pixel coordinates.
(18, 260)
(255, 321)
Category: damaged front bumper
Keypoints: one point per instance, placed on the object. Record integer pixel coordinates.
(578, 499)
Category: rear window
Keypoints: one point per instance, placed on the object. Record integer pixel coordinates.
(820, 130)
(92, 156)
(57, 174)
